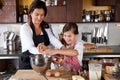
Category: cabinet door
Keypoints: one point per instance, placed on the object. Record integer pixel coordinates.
(105, 2)
(74, 10)
(8, 12)
(56, 14)
(117, 13)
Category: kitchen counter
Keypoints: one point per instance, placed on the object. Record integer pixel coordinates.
(103, 51)
(4, 54)
(100, 51)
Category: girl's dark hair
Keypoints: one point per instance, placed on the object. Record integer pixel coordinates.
(68, 27)
(71, 26)
(38, 4)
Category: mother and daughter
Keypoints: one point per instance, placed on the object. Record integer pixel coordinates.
(36, 32)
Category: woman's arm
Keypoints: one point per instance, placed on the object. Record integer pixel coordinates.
(53, 40)
(27, 40)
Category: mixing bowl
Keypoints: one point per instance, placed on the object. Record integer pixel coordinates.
(39, 63)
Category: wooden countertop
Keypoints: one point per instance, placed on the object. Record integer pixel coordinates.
(108, 76)
(103, 49)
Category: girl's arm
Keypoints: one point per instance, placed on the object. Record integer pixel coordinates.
(68, 52)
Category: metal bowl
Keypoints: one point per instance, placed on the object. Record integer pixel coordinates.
(39, 63)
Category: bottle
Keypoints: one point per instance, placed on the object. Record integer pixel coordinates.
(87, 16)
(48, 2)
(96, 16)
(59, 3)
(112, 15)
(64, 2)
(20, 19)
(20, 14)
(92, 16)
(83, 16)
(25, 15)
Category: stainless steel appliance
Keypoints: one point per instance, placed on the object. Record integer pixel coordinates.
(11, 41)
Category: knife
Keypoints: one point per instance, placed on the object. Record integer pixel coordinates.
(94, 38)
(105, 33)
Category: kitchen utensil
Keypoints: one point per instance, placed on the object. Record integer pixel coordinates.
(39, 63)
(94, 35)
(105, 33)
(100, 40)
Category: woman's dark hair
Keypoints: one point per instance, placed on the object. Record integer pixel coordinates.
(71, 26)
(38, 4)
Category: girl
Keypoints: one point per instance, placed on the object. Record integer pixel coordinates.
(74, 49)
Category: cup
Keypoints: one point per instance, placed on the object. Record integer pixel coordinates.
(95, 71)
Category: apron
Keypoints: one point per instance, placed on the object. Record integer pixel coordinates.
(24, 58)
(72, 62)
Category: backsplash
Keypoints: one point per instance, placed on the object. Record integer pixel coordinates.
(113, 30)
(8, 27)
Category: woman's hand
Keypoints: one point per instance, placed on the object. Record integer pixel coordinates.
(41, 47)
(50, 52)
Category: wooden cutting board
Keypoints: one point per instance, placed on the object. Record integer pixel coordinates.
(32, 75)
(27, 75)
(64, 75)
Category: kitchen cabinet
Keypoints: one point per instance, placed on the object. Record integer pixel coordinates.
(117, 11)
(8, 13)
(105, 2)
(71, 12)
(56, 14)
(74, 10)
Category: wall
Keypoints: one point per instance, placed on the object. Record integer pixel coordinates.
(113, 30)
(8, 12)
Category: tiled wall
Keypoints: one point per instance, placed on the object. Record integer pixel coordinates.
(113, 30)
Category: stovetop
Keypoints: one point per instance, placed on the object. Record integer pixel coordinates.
(6, 75)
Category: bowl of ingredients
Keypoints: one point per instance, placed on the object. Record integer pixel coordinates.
(39, 63)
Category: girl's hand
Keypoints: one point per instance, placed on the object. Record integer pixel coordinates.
(41, 47)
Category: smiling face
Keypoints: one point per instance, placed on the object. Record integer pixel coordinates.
(37, 16)
(69, 37)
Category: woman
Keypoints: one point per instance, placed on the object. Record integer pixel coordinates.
(34, 32)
